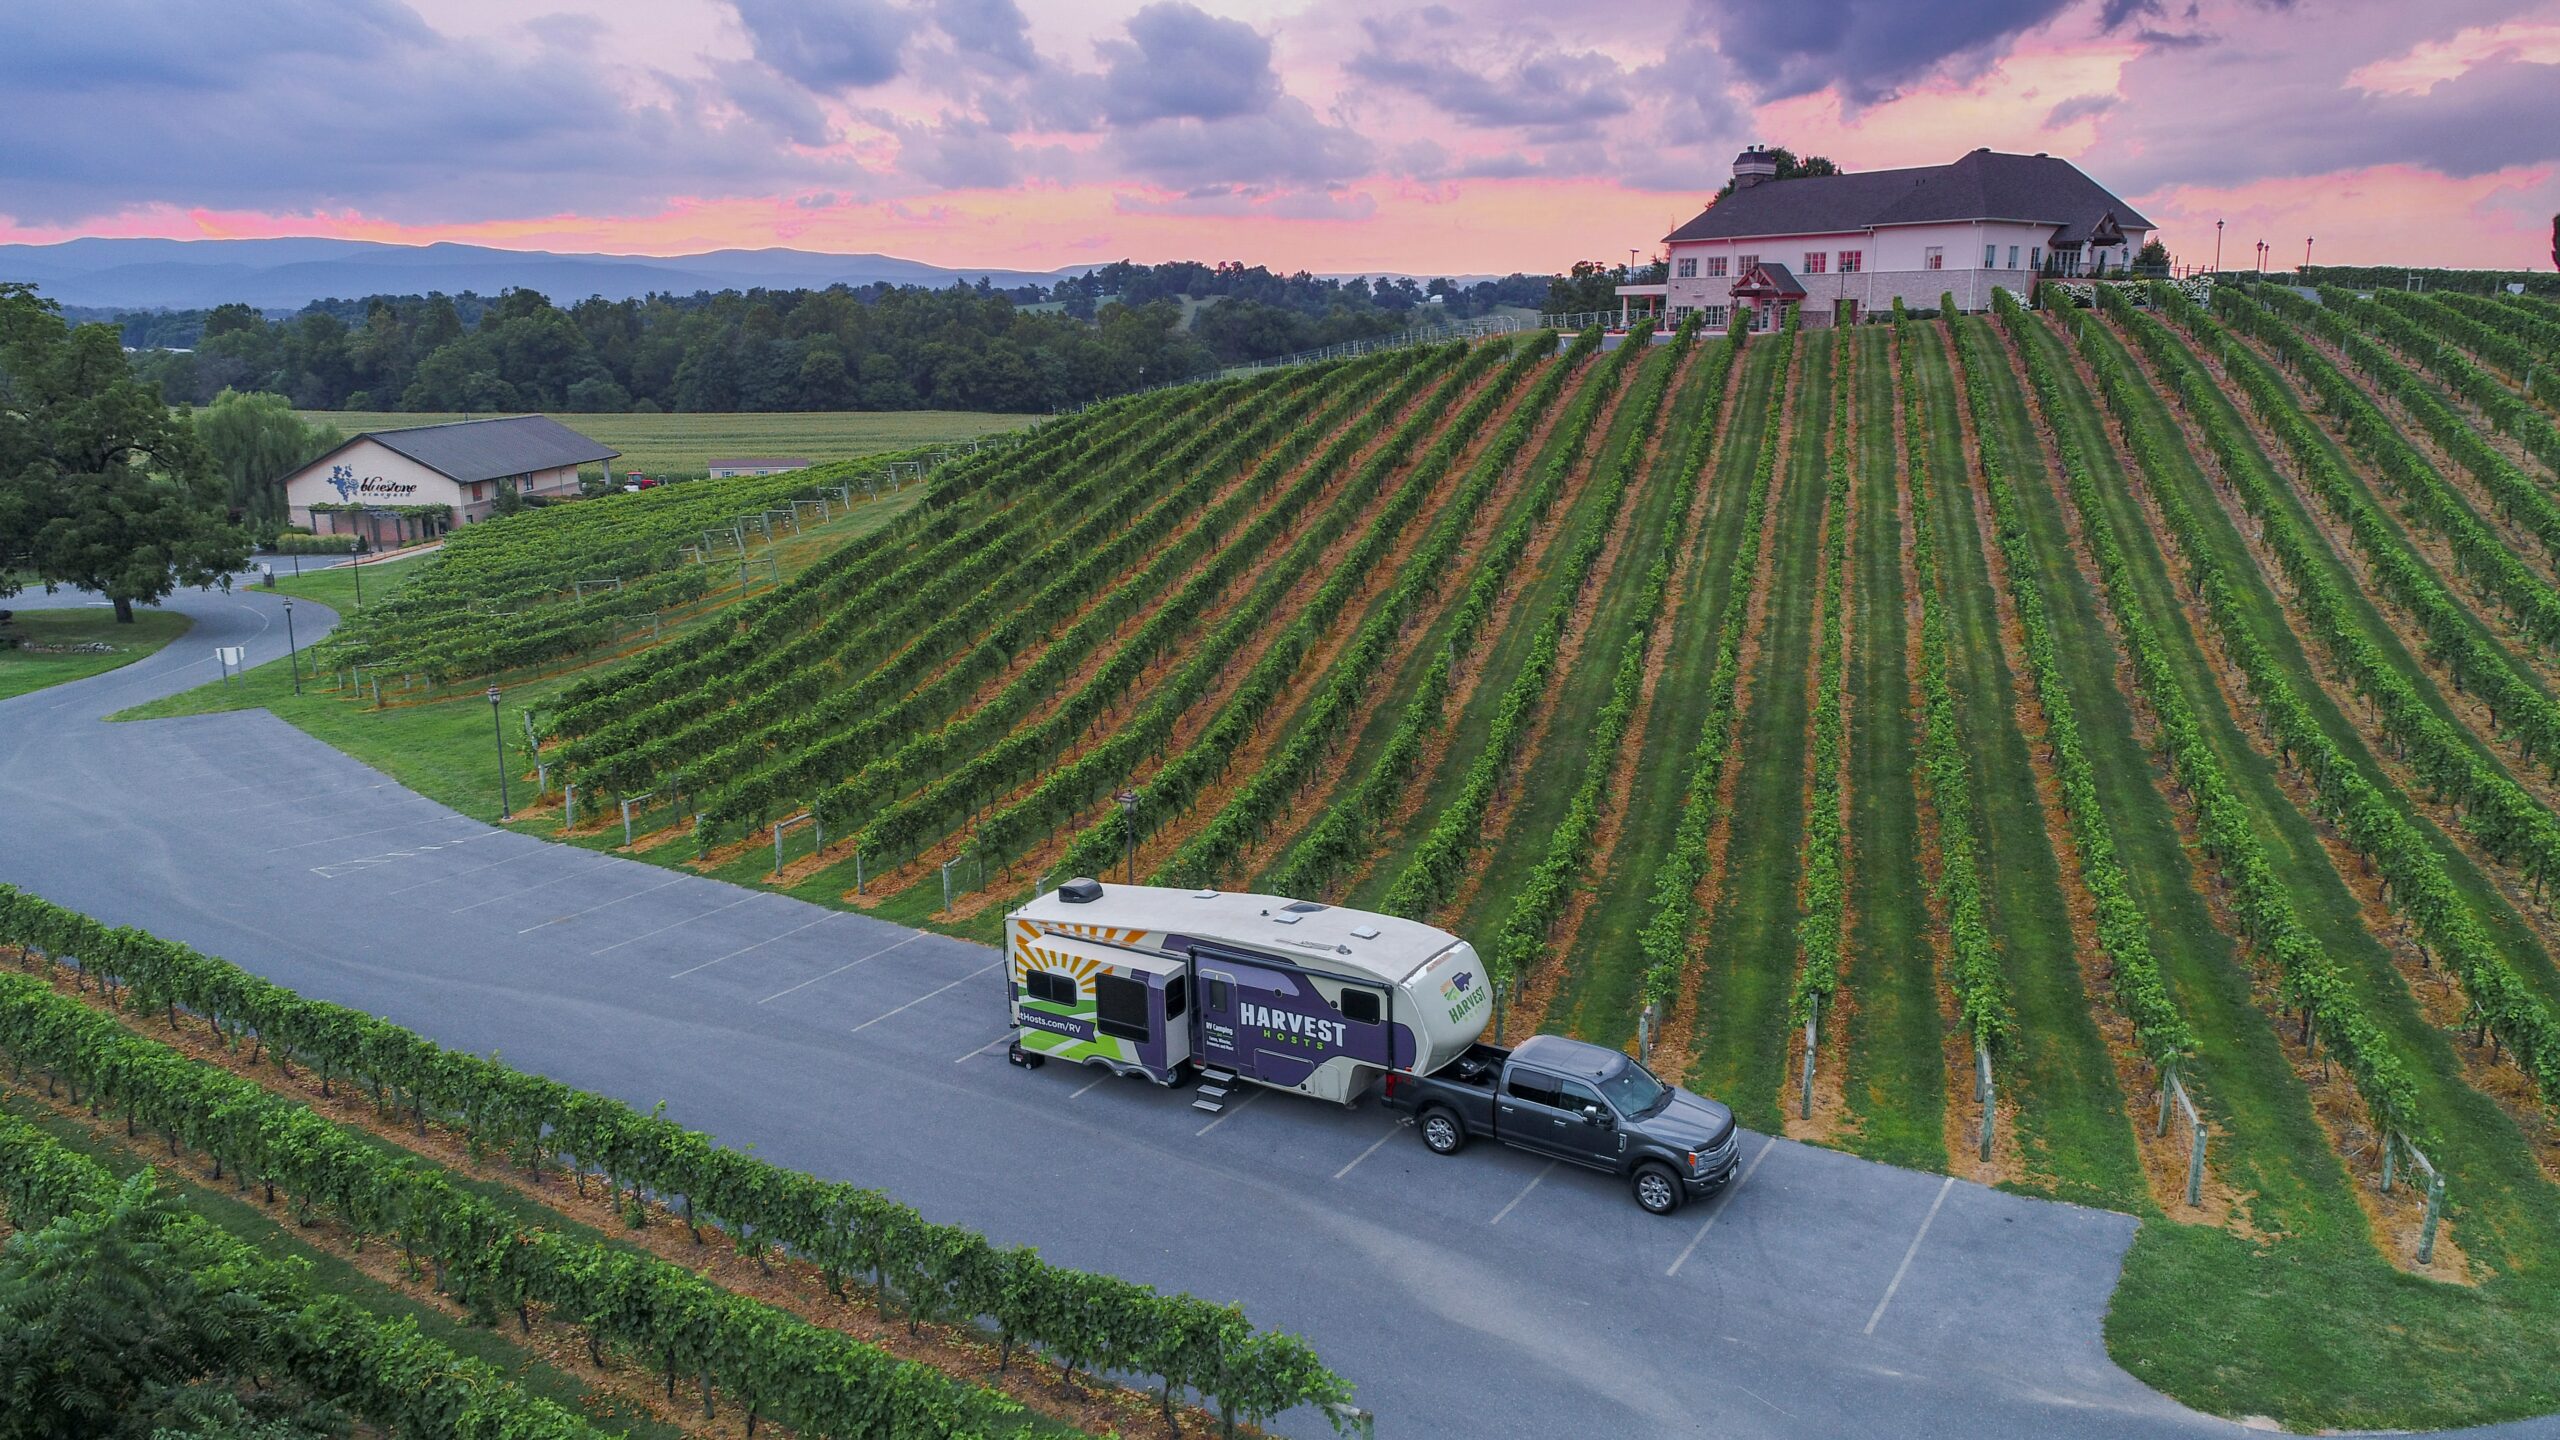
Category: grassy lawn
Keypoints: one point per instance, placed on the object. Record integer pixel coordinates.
(1749, 960)
(327, 1274)
(1895, 1066)
(23, 670)
(686, 443)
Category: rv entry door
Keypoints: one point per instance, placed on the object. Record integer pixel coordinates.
(1217, 1001)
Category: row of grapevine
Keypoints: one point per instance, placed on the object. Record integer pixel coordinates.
(1823, 894)
(1973, 959)
(2507, 821)
(2368, 819)
(1343, 834)
(2523, 340)
(813, 1379)
(2421, 329)
(1448, 849)
(774, 753)
(990, 748)
(1066, 792)
(1674, 919)
(1210, 856)
(1522, 940)
(941, 591)
(1178, 781)
(2530, 600)
(2123, 931)
(381, 1371)
(618, 707)
(2312, 981)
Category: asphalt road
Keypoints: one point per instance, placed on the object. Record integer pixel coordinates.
(1490, 1294)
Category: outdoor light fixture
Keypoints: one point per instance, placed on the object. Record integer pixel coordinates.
(294, 650)
(506, 811)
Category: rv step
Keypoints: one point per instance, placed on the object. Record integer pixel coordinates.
(1216, 1076)
(1212, 1106)
(1213, 1092)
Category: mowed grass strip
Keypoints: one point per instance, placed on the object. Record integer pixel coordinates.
(42, 648)
(1739, 1037)
(686, 443)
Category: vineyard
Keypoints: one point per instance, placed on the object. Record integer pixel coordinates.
(2112, 752)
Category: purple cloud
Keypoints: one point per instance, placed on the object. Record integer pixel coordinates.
(1180, 62)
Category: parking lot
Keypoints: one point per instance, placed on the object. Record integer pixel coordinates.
(1491, 1293)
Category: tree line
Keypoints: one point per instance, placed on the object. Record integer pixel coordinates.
(879, 347)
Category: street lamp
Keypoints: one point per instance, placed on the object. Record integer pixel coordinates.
(2306, 258)
(2217, 247)
(1129, 830)
(506, 811)
(296, 650)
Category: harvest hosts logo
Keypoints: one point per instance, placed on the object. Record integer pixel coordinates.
(1304, 1027)
(342, 478)
(1461, 993)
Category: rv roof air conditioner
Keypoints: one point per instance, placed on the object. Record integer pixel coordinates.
(1083, 890)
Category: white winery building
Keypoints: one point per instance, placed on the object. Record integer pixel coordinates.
(1843, 245)
(398, 486)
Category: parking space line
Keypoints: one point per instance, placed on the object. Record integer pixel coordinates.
(601, 863)
(849, 964)
(1908, 1255)
(607, 905)
(1721, 1201)
(383, 830)
(743, 949)
(1523, 1195)
(456, 875)
(1089, 1084)
(1229, 1113)
(1365, 1154)
(983, 1049)
(663, 929)
(910, 1005)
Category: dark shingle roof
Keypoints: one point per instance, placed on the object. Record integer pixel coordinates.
(1781, 281)
(1984, 185)
(469, 450)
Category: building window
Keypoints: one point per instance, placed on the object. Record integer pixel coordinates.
(1816, 262)
(1743, 263)
(1934, 258)
(1120, 1007)
(1715, 266)
(1852, 261)
(2013, 257)
(1990, 257)
(1360, 1005)
(1717, 317)
(2035, 257)
(1687, 267)
(1682, 312)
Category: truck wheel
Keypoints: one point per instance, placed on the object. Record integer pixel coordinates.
(1657, 1189)
(1442, 1132)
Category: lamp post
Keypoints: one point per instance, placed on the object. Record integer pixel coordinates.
(1129, 830)
(355, 562)
(2217, 247)
(498, 728)
(294, 650)
(2306, 258)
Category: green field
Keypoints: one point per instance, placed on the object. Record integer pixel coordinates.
(2218, 736)
(23, 669)
(683, 444)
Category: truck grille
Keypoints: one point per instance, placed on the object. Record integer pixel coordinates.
(1713, 1158)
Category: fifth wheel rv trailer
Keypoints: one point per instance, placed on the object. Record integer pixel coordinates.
(1144, 980)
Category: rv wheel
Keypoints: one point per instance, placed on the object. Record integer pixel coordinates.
(1442, 1132)
(1657, 1190)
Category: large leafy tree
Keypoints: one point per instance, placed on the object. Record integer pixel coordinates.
(101, 486)
(1791, 166)
(255, 440)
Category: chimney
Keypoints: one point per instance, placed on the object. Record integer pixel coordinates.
(1753, 166)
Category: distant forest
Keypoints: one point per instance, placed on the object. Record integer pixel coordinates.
(1028, 349)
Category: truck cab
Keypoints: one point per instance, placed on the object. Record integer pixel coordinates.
(1585, 1104)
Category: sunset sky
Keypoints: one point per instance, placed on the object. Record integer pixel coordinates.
(1329, 135)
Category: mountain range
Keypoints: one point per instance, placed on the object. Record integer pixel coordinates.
(286, 274)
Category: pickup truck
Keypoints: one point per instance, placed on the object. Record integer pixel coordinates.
(1576, 1102)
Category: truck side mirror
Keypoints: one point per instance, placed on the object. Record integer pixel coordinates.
(1597, 1116)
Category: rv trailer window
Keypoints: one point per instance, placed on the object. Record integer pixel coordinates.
(1120, 1006)
(1532, 1087)
(1360, 1005)
(1177, 997)
(1217, 994)
(1057, 987)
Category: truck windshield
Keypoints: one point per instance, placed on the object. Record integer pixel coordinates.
(1634, 1091)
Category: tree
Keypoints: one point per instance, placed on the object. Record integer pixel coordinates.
(1591, 286)
(126, 1321)
(2154, 256)
(1789, 168)
(101, 487)
(255, 440)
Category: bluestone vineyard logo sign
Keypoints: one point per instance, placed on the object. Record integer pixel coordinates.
(343, 479)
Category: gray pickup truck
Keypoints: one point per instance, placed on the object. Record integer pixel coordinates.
(1575, 1102)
